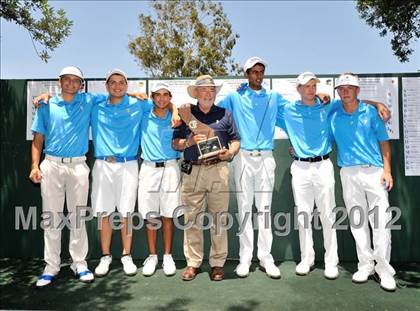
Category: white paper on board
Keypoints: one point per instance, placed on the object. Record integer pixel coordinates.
(33, 89)
(411, 124)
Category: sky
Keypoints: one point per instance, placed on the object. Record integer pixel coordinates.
(326, 37)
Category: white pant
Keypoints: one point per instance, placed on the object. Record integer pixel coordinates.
(71, 182)
(114, 185)
(313, 183)
(254, 179)
(159, 189)
(362, 188)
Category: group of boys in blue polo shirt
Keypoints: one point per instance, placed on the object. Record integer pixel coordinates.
(359, 133)
(116, 126)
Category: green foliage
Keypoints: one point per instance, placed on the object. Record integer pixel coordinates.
(401, 18)
(185, 39)
(49, 29)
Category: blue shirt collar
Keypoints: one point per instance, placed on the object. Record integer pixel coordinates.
(62, 102)
(360, 108)
(245, 87)
(123, 99)
(152, 113)
(317, 103)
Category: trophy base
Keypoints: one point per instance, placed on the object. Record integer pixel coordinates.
(209, 149)
(209, 157)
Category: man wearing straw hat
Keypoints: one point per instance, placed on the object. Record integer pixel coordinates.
(205, 179)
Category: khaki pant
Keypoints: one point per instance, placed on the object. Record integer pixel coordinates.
(206, 184)
(61, 182)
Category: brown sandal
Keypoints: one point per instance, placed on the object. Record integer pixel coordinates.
(190, 273)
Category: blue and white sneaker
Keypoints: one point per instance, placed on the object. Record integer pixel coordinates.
(82, 272)
(44, 280)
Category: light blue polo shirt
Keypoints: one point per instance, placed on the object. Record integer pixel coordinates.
(307, 127)
(255, 115)
(156, 138)
(65, 125)
(116, 127)
(358, 135)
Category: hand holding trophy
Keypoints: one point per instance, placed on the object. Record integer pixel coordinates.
(207, 142)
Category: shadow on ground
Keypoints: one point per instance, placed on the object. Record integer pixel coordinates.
(158, 292)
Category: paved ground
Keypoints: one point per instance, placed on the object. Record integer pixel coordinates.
(257, 292)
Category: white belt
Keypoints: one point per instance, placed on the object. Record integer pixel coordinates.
(361, 167)
(65, 160)
(256, 153)
(358, 166)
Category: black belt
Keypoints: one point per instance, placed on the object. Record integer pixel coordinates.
(314, 159)
(162, 163)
